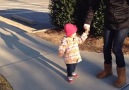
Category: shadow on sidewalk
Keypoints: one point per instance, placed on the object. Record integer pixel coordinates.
(13, 42)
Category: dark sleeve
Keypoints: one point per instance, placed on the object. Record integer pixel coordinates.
(93, 5)
(127, 1)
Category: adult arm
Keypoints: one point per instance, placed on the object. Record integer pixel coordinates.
(93, 5)
(127, 1)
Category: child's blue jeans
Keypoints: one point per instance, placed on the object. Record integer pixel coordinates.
(70, 69)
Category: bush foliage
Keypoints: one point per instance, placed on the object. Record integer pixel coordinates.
(98, 21)
(62, 12)
(74, 11)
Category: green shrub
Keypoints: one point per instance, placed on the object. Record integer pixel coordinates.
(62, 12)
(98, 21)
(74, 11)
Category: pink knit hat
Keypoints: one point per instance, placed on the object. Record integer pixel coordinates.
(70, 29)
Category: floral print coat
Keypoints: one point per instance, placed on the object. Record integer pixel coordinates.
(70, 50)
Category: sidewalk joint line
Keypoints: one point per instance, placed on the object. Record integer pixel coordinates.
(26, 59)
(19, 61)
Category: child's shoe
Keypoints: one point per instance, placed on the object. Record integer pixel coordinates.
(70, 79)
(75, 75)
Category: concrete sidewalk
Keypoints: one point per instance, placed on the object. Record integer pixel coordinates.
(30, 63)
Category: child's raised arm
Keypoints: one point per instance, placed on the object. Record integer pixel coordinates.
(85, 34)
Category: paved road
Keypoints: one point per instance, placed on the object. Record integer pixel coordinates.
(34, 10)
(14, 6)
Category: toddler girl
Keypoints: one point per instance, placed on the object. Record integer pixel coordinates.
(70, 50)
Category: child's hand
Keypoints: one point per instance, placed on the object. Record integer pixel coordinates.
(60, 54)
(87, 28)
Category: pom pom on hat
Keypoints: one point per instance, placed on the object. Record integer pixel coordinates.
(70, 29)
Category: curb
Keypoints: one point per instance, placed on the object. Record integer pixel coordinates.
(42, 30)
(23, 19)
(17, 25)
